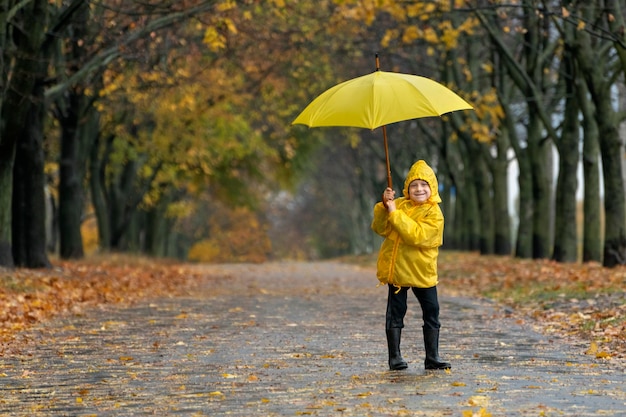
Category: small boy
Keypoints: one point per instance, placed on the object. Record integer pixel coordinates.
(413, 230)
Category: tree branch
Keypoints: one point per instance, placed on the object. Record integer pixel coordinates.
(106, 56)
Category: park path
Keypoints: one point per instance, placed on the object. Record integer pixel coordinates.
(289, 339)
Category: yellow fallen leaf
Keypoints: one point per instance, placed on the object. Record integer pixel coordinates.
(458, 384)
(229, 376)
(393, 400)
(480, 413)
(593, 349)
(478, 400)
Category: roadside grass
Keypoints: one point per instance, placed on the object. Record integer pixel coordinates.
(582, 301)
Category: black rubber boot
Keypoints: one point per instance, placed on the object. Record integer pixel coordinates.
(431, 344)
(393, 344)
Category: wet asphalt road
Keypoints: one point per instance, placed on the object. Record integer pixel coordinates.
(295, 339)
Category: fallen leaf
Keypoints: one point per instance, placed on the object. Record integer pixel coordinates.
(478, 400)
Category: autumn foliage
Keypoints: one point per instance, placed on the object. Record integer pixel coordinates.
(236, 235)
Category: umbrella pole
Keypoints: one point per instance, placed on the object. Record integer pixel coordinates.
(387, 157)
(385, 138)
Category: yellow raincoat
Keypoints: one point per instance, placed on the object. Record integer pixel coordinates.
(413, 234)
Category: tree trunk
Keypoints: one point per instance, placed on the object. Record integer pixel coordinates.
(483, 183)
(524, 241)
(566, 233)
(592, 204)
(454, 223)
(592, 225)
(452, 200)
(29, 201)
(157, 229)
(7, 158)
(468, 211)
(97, 192)
(71, 201)
(538, 151)
(502, 218)
(447, 204)
(611, 150)
(13, 113)
(74, 114)
(120, 213)
(29, 205)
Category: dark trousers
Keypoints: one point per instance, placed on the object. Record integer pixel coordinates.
(396, 307)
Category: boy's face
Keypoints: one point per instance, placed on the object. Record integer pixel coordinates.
(419, 191)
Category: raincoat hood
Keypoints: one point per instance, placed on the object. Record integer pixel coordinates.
(421, 171)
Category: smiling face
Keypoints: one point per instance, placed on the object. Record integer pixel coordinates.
(419, 191)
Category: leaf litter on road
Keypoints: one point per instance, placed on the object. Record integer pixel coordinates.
(76, 287)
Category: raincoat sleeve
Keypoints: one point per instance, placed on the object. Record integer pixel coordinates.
(380, 223)
(425, 231)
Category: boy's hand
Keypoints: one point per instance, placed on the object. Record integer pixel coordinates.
(388, 196)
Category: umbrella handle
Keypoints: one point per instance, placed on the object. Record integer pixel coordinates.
(387, 157)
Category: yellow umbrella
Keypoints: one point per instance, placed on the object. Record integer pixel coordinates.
(379, 99)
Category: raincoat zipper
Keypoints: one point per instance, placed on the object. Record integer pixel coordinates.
(392, 264)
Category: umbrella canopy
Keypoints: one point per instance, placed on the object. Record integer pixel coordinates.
(379, 99)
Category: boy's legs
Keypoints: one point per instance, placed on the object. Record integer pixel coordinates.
(396, 307)
(394, 322)
(429, 302)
